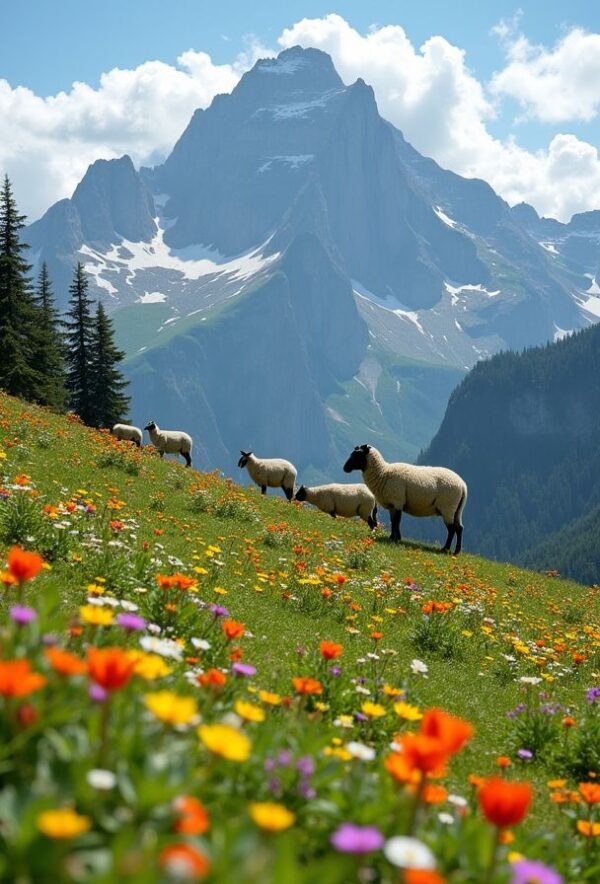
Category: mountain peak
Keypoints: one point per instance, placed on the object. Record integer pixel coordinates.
(294, 70)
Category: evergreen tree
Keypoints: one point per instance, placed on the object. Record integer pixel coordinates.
(49, 344)
(19, 316)
(79, 340)
(110, 405)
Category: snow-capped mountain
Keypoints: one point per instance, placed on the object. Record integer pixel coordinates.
(293, 180)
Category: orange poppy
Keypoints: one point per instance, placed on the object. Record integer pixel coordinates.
(422, 876)
(17, 679)
(587, 828)
(397, 765)
(233, 629)
(330, 650)
(194, 819)
(212, 678)
(424, 753)
(24, 565)
(434, 793)
(306, 685)
(65, 663)
(184, 861)
(590, 792)
(452, 732)
(503, 803)
(111, 668)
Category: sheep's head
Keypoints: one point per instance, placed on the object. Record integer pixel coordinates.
(244, 458)
(150, 426)
(300, 493)
(357, 459)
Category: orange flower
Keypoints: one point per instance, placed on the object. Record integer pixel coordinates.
(17, 679)
(422, 876)
(24, 565)
(184, 861)
(306, 685)
(212, 678)
(452, 732)
(503, 761)
(590, 792)
(397, 765)
(65, 663)
(376, 636)
(194, 816)
(505, 804)
(424, 753)
(587, 828)
(111, 668)
(434, 793)
(330, 650)
(233, 629)
(569, 721)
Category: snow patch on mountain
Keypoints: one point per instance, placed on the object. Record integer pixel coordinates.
(293, 162)
(443, 217)
(151, 298)
(550, 247)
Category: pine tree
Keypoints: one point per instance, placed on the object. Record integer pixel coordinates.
(19, 316)
(49, 344)
(79, 340)
(110, 405)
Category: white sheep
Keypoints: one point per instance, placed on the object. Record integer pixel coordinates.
(171, 441)
(418, 491)
(128, 433)
(270, 472)
(342, 500)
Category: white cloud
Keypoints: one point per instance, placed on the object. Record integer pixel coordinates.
(443, 111)
(553, 85)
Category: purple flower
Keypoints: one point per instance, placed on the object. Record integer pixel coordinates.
(131, 621)
(527, 871)
(360, 716)
(284, 758)
(349, 838)
(22, 615)
(335, 671)
(306, 766)
(219, 611)
(526, 754)
(269, 764)
(300, 650)
(593, 695)
(306, 790)
(244, 670)
(97, 693)
(275, 785)
(49, 639)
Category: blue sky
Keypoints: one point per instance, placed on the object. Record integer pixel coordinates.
(47, 46)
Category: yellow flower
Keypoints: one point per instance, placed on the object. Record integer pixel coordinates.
(95, 588)
(96, 616)
(373, 710)
(171, 708)
(149, 666)
(269, 698)
(248, 711)
(199, 570)
(391, 691)
(226, 741)
(271, 816)
(338, 752)
(62, 823)
(407, 712)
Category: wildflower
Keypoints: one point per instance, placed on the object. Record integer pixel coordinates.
(593, 695)
(111, 668)
(96, 616)
(164, 647)
(588, 829)
(503, 761)
(244, 670)
(503, 803)
(425, 754)
(408, 853)
(184, 862)
(149, 666)
(232, 629)
(17, 679)
(434, 794)
(525, 754)
(452, 732)
(131, 622)
(407, 712)
(530, 679)
(103, 780)
(194, 818)
(417, 667)
(529, 871)
(422, 876)
(360, 751)
(330, 650)
(171, 708)
(226, 741)
(22, 615)
(65, 663)
(400, 769)
(590, 792)
(248, 711)
(349, 838)
(212, 678)
(373, 710)
(62, 823)
(23, 565)
(307, 685)
(270, 698)
(271, 817)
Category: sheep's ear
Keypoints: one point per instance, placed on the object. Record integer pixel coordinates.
(365, 448)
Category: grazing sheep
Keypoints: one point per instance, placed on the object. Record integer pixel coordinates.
(418, 491)
(171, 441)
(128, 433)
(342, 500)
(270, 472)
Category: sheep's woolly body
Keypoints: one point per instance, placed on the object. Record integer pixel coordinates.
(272, 472)
(171, 442)
(418, 491)
(128, 433)
(343, 500)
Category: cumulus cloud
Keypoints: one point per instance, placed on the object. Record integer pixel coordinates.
(444, 111)
(552, 85)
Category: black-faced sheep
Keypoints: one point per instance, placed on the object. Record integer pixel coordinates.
(170, 442)
(127, 433)
(270, 472)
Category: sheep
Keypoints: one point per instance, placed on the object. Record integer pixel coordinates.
(171, 441)
(418, 491)
(128, 433)
(342, 500)
(270, 472)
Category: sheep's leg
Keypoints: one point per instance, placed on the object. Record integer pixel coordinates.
(138, 444)
(459, 533)
(451, 532)
(188, 459)
(333, 514)
(289, 493)
(395, 536)
(162, 454)
(263, 489)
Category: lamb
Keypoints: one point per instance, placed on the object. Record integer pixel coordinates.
(270, 472)
(171, 441)
(342, 500)
(418, 491)
(128, 433)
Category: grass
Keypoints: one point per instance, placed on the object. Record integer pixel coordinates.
(270, 562)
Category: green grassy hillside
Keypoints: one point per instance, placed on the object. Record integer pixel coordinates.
(108, 519)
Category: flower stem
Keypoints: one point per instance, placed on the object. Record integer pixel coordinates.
(493, 858)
